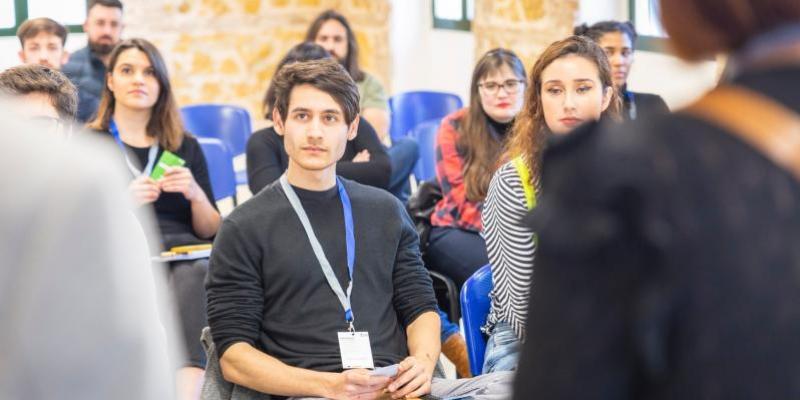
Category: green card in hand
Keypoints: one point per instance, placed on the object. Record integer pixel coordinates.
(168, 159)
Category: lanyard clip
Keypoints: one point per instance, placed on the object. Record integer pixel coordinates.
(348, 316)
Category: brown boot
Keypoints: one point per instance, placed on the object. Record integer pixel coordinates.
(455, 349)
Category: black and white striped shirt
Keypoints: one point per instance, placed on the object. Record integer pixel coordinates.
(511, 249)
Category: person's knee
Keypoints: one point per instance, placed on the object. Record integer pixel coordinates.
(190, 276)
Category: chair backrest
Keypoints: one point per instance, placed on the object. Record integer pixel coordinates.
(228, 123)
(475, 304)
(410, 108)
(425, 135)
(220, 167)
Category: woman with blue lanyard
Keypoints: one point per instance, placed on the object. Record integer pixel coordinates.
(139, 111)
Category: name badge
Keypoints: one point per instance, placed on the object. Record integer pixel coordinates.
(355, 349)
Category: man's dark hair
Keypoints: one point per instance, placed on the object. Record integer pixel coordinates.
(32, 27)
(596, 31)
(34, 78)
(350, 61)
(305, 51)
(105, 3)
(326, 75)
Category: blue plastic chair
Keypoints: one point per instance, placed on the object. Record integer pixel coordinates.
(228, 123)
(410, 108)
(425, 135)
(475, 304)
(220, 168)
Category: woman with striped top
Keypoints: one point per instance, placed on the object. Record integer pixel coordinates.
(570, 84)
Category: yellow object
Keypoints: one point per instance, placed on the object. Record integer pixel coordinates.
(525, 176)
(189, 248)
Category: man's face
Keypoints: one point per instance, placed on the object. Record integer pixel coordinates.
(44, 49)
(103, 28)
(332, 36)
(619, 49)
(315, 132)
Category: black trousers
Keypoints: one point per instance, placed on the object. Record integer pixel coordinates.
(456, 253)
(186, 282)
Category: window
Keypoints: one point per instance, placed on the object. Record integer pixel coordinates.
(13, 13)
(453, 14)
(645, 15)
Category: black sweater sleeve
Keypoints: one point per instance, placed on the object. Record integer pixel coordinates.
(413, 289)
(233, 287)
(264, 159)
(374, 172)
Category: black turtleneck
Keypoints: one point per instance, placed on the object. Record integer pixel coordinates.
(499, 128)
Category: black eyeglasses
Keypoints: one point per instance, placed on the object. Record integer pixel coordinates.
(512, 86)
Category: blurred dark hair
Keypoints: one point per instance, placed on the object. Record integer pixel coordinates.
(596, 31)
(305, 51)
(34, 78)
(105, 3)
(699, 28)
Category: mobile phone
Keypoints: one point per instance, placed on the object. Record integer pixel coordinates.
(389, 371)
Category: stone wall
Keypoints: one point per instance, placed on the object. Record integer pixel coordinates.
(526, 26)
(225, 51)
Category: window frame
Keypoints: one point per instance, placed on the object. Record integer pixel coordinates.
(463, 24)
(21, 15)
(646, 42)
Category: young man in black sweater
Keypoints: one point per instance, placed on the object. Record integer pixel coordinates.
(317, 279)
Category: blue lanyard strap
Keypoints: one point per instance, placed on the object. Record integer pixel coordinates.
(333, 282)
(151, 154)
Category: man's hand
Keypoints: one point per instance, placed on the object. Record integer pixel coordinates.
(358, 384)
(413, 379)
(180, 180)
(362, 156)
(144, 190)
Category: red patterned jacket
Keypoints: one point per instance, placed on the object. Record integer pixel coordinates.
(454, 210)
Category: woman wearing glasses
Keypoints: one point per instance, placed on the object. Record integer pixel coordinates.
(468, 147)
(570, 84)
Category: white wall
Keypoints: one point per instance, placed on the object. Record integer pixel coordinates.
(424, 58)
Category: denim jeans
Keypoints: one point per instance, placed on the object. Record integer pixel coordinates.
(403, 156)
(502, 350)
(448, 327)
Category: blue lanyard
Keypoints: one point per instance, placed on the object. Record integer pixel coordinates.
(350, 241)
(151, 154)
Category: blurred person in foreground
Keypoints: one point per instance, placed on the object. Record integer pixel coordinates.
(668, 265)
(82, 312)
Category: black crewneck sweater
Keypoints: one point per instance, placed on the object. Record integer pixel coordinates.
(265, 286)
